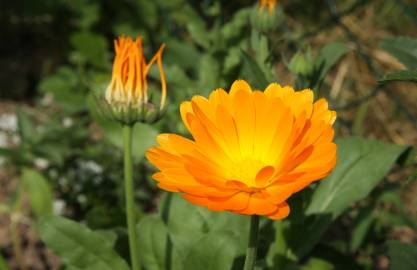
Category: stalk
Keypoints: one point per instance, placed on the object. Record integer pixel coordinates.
(129, 197)
(252, 244)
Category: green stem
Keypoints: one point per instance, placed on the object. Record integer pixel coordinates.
(253, 243)
(129, 197)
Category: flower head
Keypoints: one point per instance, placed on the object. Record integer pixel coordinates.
(270, 4)
(266, 17)
(251, 150)
(127, 93)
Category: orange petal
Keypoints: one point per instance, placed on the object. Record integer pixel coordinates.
(186, 109)
(264, 175)
(245, 120)
(258, 205)
(240, 85)
(282, 212)
(278, 193)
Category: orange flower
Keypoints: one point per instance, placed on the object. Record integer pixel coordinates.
(128, 87)
(251, 150)
(270, 4)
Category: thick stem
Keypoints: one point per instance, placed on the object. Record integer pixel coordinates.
(129, 197)
(253, 243)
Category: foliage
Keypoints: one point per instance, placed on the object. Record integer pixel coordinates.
(403, 255)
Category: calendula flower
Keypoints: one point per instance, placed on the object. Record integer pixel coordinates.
(127, 93)
(269, 4)
(251, 150)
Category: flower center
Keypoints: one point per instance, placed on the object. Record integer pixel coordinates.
(246, 170)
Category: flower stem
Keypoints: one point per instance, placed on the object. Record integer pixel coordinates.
(129, 197)
(253, 243)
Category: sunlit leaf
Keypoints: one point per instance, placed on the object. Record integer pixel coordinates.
(215, 251)
(252, 72)
(361, 165)
(328, 56)
(157, 251)
(64, 86)
(360, 230)
(402, 48)
(40, 193)
(79, 246)
(317, 264)
(92, 47)
(404, 75)
(25, 125)
(3, 264)
(201, 221)
(208, 75)
(198, 32)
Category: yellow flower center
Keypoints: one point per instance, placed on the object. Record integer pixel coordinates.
(245, 171)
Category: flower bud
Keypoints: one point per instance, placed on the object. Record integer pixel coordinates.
(302, 63)
(266, 16)
(126, 98)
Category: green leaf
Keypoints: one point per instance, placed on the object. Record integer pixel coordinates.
(236, 27)
(253, 72)
(17, 156)
(328, 56)
(397, 215)
(198, 32)
(403, 256)
(78, 246)
(3, 264)
(361, 165)
(92, 47)
(191, 244)
(25, 125)
(232, 59)
(404, 75)
(215, 251)
(362, 226)
(259, 43)
(331, 258)
(402, 48)
(89, 14)
(182, 54)
(209, 75)
(317, 264)
(201, 221)
(64, 85)
(40, 192)
(157, 252)
(109, 235)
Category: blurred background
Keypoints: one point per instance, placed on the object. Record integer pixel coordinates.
(55, 55)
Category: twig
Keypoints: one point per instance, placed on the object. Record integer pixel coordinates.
(359, 101)
(372, 67)
(335, 17)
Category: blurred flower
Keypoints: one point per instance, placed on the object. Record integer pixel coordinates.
(270, 4)
(58, 207)
(41, 163)
(251, 150)
(8, 122)
(266, 17)
(127, 93)
(302, 62)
